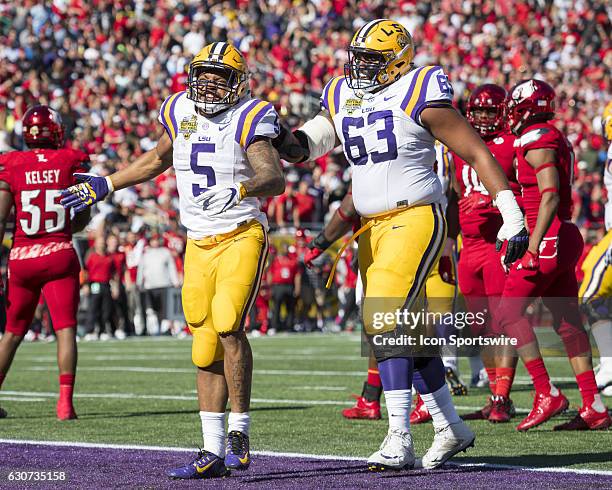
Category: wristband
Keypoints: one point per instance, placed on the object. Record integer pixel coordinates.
(550, 189)
(242, 191)
(109, 184)
(546, 165)
(321, 242)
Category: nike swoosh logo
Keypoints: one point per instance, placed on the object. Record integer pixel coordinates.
(244, 460)
(221, 128)
(395, 227)
(389, 98)
(202, 469)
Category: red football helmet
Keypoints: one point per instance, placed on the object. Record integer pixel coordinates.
(42, 128)
(530, 101)
(486, 109)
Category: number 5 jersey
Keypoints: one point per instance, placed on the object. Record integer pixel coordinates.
(209, 151)
(392, 155)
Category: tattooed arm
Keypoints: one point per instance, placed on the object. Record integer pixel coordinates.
(268, 179)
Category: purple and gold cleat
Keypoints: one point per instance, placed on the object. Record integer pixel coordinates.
(237, 456)
(205, 465)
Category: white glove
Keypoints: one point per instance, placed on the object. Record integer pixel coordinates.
(218, 199)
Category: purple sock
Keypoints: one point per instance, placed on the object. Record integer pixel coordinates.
(396, 373)
(428, 374)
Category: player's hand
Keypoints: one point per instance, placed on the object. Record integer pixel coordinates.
(530, 261)
(517, 243)
(445, 269)
(218, 199)
(310, 255)
(90, 189)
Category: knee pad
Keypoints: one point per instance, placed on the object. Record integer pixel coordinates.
(206, 348)
(224, 313)
(195, 306)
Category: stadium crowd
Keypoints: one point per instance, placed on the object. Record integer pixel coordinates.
(106, 66)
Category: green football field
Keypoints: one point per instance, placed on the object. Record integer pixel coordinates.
(142, 392)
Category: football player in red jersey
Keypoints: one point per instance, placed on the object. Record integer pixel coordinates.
(480, 272)
(42, 258)
(545, 164)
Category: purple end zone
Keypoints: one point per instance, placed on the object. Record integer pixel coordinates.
(118, 468)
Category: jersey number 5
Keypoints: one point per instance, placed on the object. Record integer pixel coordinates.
(32, 226)
(384, 134)
(206, 170)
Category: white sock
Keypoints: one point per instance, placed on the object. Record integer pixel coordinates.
(240, 422)
(450, 362)
(398, 408)
(440, 407)
(476, 365)
(602, 333)
(213, 432)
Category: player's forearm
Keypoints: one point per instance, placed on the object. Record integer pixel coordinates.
(340, 224)
(546, 213)
(268, 179)
(146, 167)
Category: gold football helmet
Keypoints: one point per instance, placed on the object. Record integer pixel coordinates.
(218, 78)
(380, 53)
(606, 122)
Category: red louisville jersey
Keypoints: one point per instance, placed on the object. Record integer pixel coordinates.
(544, 136)
(283, 270)
(477, 216)
(36, 179)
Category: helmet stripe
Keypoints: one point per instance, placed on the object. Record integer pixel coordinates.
(363, 33)
(212, 50)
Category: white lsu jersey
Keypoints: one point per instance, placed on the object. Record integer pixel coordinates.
(210, 151)
(608, 185)
(392, 155)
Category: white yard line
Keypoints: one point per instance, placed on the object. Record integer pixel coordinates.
(284, 455)
(137, 396)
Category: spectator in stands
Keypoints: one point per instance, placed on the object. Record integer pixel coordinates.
(100, 269)
(121, 314)
(285, 288)
(156, 275)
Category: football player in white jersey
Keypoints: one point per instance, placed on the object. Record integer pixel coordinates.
(387, 113)
(596, 288)
(218, 138)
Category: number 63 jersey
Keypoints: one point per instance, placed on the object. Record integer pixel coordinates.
(209, 151)
(392, 155)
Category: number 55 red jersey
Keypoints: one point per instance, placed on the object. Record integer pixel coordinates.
(36, 179)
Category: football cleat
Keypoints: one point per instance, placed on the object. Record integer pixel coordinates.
(3, 413)
(603, 376)
(419, 414)
(502, 410)
(363, 409)
(587, 419)
(65, 411)
(447, 442)
(395, 453)
(455, 385)
(237, 456)
(545, 406)
(481, 414)
(205, 465)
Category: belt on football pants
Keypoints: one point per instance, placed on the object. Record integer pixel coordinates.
(369, 224)
(214, 239)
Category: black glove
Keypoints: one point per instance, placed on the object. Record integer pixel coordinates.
(288, 149)
(517, 246)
